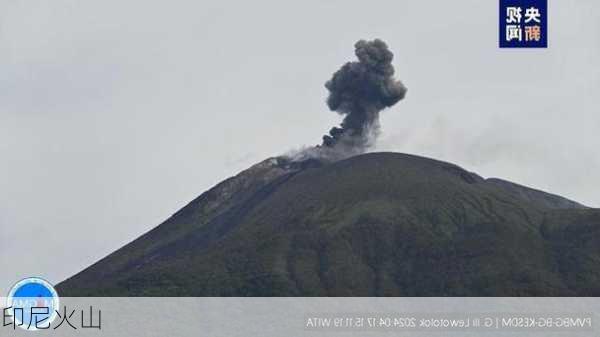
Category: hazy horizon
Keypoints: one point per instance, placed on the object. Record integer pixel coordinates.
(114, 115)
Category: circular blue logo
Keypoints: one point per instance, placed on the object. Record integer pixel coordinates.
(32, 303)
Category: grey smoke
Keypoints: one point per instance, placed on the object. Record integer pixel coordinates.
(359, 90)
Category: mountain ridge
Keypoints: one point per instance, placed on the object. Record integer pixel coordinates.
(369, 225)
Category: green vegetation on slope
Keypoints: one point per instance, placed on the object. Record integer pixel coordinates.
(380, 224)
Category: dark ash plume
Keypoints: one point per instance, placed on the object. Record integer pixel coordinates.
(359, 90)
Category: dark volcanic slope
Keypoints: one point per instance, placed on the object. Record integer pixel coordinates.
(375, 224)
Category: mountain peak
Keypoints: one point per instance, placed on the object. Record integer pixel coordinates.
(369, 225)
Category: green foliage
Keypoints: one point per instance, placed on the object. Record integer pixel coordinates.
(380, 224)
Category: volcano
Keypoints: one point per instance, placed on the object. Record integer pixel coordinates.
(377, 224)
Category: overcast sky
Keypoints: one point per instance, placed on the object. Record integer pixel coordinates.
(115, 114)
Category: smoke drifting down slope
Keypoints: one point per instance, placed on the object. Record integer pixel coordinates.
(359, 90)
(378, 224)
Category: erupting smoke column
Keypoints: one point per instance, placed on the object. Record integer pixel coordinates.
(359, 90)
